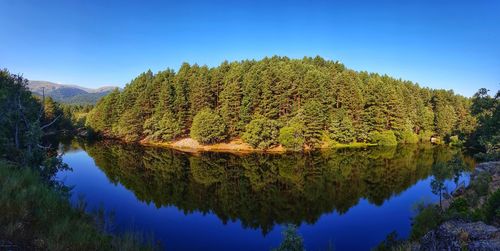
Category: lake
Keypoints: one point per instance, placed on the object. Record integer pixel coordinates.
(346, 198)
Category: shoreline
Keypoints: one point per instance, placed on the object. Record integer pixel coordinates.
(237, 146)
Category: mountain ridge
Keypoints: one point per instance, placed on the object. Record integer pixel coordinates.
(69, 94)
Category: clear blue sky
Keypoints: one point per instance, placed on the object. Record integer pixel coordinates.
(440, 44)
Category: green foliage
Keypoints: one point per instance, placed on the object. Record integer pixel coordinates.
(322, 95)
(105, 114)
(261, 133)
(292, 241)
(425, 117)
(445, 120)
(459, 209)
(230, 99)
(480, 184)
(314, 120)
(486, 136)
(129, 126)
(208, 127)
(491, 208)
(165, 127)
(428, 217)
(75, 116)
(292, 137)
(425, 136)
(408, 137)
(455, 141)
(21, 121)
(384, 138)
(341, 128)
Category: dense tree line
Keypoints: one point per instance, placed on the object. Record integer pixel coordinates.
(294, 102)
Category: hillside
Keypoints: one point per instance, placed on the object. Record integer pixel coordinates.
(297, 103)
(69, 94)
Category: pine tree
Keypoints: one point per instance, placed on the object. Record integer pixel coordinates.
(341, 128)
(313, 117)
(181, 103)
(230, 99)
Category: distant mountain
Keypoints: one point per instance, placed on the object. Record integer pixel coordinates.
(69, 94)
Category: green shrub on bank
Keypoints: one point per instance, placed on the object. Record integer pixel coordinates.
(384, 138)
(480, 184)
(208, 127)
(292, 137)
(408, 137)
(262, 133)
(460, 209)
(491, 208)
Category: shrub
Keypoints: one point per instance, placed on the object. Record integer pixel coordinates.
(408, 137)
(480, 184)
(455, 141)
(262, 133)
(459, 209)
(491, 208)
(482, 157)
(292, 137)
(384, 138)
(208, 127)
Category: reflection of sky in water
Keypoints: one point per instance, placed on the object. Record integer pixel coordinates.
(362, 227)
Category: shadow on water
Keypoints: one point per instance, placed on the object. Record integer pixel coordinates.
(263, 190)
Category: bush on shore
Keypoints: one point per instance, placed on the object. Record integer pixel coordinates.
(262, 133)
(292, 137)
(384, 138)
(208, 127)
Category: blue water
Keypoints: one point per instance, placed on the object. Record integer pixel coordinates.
(361, 227)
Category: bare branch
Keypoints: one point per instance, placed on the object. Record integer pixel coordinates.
(49, 124)
(42, 107)
(20, 110)
(44, 147)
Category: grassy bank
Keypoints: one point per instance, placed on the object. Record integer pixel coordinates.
(37, 215)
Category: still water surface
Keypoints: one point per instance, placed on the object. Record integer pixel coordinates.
(349, 199)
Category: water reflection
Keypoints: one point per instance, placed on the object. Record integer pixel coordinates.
(264, 190)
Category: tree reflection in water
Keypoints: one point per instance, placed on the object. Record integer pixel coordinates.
(262, 190)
